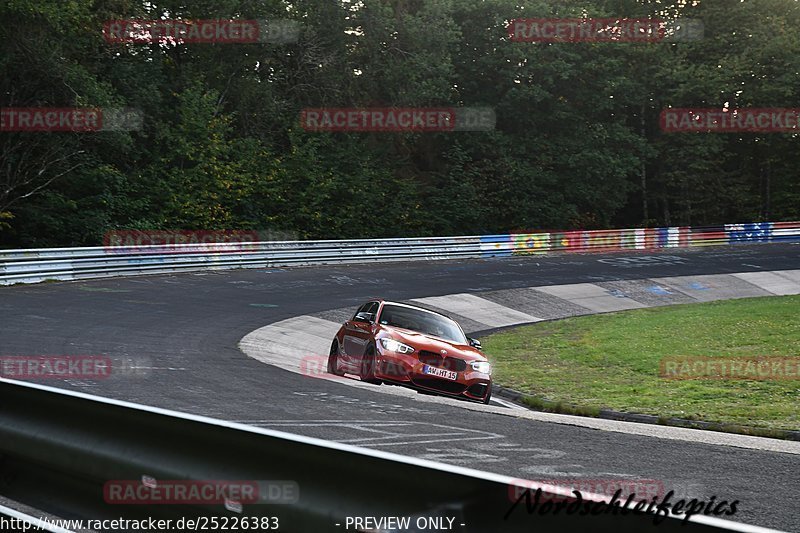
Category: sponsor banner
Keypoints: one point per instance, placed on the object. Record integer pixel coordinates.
(537, 242)
(651, 238)
(496, 245)
(764, 368)
(566, 240)
(221, 31)
(671, 237)
(179, 241)
(785, 231)
(576, 30)
(579, 241)
(627, 239)
(708, 236)
(231, 493)
(683, 236)
(530, 243)
(603, 240)
(398, 119)
(715, 120)
(70, 119)
(55, 367)
(640, 238)
(744, 233)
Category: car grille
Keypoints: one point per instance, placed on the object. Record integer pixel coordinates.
(451, 387)
(440, 361)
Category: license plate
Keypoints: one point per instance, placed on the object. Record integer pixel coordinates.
(439, 372)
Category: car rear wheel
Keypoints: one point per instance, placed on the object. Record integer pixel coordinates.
(368, 367)
(333, 360)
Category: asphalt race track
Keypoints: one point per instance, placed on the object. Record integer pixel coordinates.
(185, 328)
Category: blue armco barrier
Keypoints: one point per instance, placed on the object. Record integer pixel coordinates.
(496, 245)
(755, 232)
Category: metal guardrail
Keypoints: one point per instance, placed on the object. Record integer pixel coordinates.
(61, 446)
(36, 265)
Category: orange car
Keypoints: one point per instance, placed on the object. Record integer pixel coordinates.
(407, 345)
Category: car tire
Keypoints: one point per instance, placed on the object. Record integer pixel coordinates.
(333, 360)
(488, 397)
(368, 367)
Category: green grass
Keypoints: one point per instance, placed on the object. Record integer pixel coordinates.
(611, 361)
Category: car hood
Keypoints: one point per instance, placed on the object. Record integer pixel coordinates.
(421, 341)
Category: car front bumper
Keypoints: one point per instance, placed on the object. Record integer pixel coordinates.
(407, 369)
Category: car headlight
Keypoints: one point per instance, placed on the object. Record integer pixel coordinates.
(394, 346)
(481, 366)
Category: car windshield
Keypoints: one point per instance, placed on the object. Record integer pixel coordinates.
(422, 321)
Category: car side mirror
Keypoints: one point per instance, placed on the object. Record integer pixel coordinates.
(475, 343)
(363, 317)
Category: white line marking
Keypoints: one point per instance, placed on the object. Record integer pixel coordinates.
(461, 434)
(505, 403)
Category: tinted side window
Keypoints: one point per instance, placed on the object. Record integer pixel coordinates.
(361, 309)
(369, 307)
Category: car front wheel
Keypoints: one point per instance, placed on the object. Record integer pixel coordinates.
(368, 367)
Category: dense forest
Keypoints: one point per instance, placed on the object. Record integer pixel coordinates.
(577, 142)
